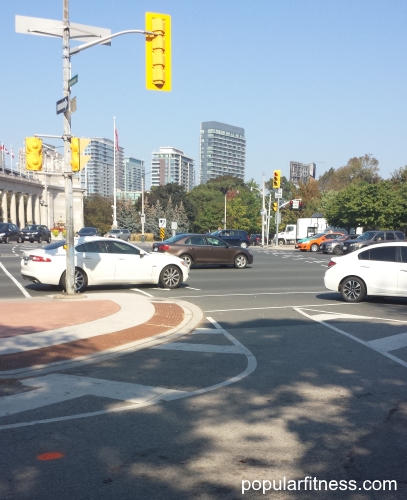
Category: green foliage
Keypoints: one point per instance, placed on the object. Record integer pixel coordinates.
(127, 216)
(98, 212)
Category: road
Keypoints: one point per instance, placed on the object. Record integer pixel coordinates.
(282, 380)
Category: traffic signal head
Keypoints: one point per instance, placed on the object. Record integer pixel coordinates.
(300, 205)
(275, 206)
(291, 204)
(75, 160)
(158, 52)
(276, 179)
(33, 153)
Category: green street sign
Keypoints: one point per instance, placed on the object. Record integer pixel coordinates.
(73, 80)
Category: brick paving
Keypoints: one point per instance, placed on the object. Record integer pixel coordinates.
(16, 319)
(167, 316)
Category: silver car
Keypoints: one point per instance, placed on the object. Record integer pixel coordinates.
(121, 234)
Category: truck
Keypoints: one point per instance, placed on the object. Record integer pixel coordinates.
(304, 228)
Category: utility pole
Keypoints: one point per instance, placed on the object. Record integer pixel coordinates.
(263, 216)
(70, 255)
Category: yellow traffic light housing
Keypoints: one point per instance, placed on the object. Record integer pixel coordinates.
(78, 160)
(276, 179)
(33, 153)
(275, 206)
(158, 52)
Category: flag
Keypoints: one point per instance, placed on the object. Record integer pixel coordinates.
(1, 147)
(11, 152)
(5, 149)
(117, 139)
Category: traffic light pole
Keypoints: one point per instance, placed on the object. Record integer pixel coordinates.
(277, 218)
(70, 256)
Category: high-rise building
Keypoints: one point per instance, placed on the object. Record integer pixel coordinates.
(171, 165)
(134, 170)
(302, 172)
(222, 151)
(97, 176)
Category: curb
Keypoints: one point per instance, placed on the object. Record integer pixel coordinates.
(192, 318)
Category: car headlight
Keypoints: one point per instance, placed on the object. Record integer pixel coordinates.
(2, 234)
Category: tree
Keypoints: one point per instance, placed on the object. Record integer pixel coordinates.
(98, 212)
(399, 176)
(127, 216)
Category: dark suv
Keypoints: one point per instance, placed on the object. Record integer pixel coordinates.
(35, 232)
(235, 237)
(8, 232)
(372, 237)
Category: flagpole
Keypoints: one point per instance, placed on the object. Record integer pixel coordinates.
(114, 174)
(2, 157)
(11, 158)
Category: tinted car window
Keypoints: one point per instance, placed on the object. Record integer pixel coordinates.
(196, 240)
(95, 247)
(390, 236)
(379, 237)
(400, 235)
(175, 238)
(364, 255)
(387, 254)
(215, 242)
(122, 248)
(403, 254)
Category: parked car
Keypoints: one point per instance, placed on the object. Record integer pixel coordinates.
(379, 269)
(255, 239)
(312, 244)
(197, 249)
(8, 232)
(372, 237)
(335, 246)
(35, 232)
(88, 231)
(103, 261)
(235, 237)
(119, 233)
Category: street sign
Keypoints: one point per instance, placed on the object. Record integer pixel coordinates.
(162, 232)
(174, 225)
(278, 217)
(162, 223)
(73, 105)
(73, 80)
(296, 204)
(62, 105)
(278, 193)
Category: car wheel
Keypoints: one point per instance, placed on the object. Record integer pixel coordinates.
(281, 242)
(337, 250)
(243, 244)
(7, 239)
(39, 239)
(81, 280)
(49, 239)
(31, 241)
(170, 277)
(240, 261)
(314, 247)
(187, 259)
(353, 289)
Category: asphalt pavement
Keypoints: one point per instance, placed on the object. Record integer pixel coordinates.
(281, 379)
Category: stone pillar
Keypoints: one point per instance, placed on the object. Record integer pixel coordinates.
(30, 219)
(4, 208)
(13, 209)
(37, 209)
(21, 211)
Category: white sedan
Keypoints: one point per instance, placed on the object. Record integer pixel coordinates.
(375, 270)
(103, 261)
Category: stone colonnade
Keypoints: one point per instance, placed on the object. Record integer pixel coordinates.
(13, 208)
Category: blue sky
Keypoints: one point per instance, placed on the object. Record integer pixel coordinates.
(308, 80)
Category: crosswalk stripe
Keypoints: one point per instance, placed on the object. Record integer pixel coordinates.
(390, 343)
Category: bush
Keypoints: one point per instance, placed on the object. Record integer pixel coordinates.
(55, 232)
(137, 237)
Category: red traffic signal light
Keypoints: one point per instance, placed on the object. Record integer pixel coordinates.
(291, 204)
(300, 205)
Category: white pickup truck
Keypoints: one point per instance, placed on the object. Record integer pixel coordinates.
(303, 229)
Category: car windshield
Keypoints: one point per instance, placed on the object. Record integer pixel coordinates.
(369, 235)
(87, 230)
(319, 235)
(175, 238)
(32, 227)
(2, 227)
(114, 231)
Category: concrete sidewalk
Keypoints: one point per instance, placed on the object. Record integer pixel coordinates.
(44, 335)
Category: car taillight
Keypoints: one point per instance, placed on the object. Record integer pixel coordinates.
(164, 248)
(38, 258)
(331, 264)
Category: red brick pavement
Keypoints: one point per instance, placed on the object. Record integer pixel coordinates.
(167, 315)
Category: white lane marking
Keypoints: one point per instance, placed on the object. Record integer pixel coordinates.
(246, 294)
(390, 343)
(355, 316)
(190, 288)
(141, 291)
(206, 331)
(56, 388)
(22, 289)
(323, 265)
(183, 346)
(162, 289)
(271, 307)
(367, 344)
(166, 396)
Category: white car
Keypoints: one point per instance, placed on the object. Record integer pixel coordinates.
(379, 269)
(103, 261)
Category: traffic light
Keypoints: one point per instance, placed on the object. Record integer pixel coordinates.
(291, 204)
(78, 160)
(275, 206)
(276, 179)
(33, 153)
(158, 52)
(300, 205)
